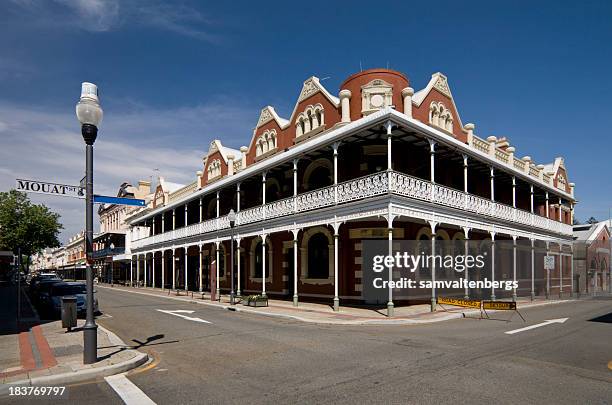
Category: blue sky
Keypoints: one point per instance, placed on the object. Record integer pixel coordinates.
(175, 75)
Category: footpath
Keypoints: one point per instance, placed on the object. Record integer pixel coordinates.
(40, 352)
(324, 314)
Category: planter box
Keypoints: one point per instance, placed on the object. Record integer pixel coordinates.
(258, 303)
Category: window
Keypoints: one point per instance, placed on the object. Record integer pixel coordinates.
(221, 261)
(266, 142)
(258, 273)
(214, 169)
(318, 256)
(440, 116)
(312, 118)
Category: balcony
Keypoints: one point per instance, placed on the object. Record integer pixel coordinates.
(361, 188)
(108, 252)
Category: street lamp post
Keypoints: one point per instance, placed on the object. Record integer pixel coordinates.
(89, 114)
(112, 268)
(232, 220)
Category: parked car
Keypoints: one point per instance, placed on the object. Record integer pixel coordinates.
(41, 293)
(40, 277)
(72, 289)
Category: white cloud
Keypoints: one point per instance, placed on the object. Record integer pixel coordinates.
(44, 145)
(110, 15)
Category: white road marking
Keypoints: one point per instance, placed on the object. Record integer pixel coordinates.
(127, 390)
(547, 322)
(179, 312)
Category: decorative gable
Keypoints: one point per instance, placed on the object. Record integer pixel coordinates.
(376, 95)
(268, 114)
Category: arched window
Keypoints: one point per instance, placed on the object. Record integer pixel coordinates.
(266, 142)
(440, 116)
(318, 256)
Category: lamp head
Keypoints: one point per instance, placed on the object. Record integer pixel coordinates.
(88, 112)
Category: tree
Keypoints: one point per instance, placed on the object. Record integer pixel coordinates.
(28, 226)
(592, 220)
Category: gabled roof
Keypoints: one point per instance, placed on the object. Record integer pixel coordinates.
(588, 232)
(311, 86)
(439, 82)
(169, 187)
(268, 114)
(216, 145)
(554, 166)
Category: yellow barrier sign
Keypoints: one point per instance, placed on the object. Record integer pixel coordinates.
(458, 302)
(500, 305)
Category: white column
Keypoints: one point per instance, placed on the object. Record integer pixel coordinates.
(465, 174)
(173, 268)
(217, 204)
(532, 269)
(466, 252)
(547, 206)
(390, 305)
(238, 197)
(295, 269)
(263, 265)
(335, 148)
(433, 266)
(514, 265)
(173, 219)
(345, 97)
(163, 269)
(131, 272)
(560, 213)
(145, 269)
(295, 188)
(263, 194)
(560, 270)
(493, 266)
(218, 289)
(163, 222)
(492, 176)
(547, 273)
(572, 270)
(432, 152)
(200, 213)
(514, 191)
(336, 296)
(186, 266)
(201, 250)
(407, 94)
(239, 290)
(153, 269)
(531, 201)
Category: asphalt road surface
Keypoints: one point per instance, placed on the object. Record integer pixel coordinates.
(245, 358)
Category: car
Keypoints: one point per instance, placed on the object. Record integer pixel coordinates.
(40, 277)
(41, 293)
(71, 289)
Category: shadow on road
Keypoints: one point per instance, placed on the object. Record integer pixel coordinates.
(148, 342)
(607, 318)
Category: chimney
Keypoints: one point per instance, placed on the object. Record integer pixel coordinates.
(230, 164)
(345, 97)
(243, 151)
(144, 187)
(407, 94)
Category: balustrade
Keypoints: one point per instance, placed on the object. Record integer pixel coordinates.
(360, 188)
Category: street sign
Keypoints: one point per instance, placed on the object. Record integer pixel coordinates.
(458, 302)
(549, 262)
(499, 305)
(104, 199)
(42, 187)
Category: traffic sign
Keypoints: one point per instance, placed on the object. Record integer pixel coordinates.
(549, 262)
(104, 199)
(42, 187)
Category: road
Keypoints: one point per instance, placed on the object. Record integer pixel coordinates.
(239, 358)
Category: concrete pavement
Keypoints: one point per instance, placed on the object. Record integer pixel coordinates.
(39, 352)
(238, 358)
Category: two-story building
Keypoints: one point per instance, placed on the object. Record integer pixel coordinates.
(110, 260)
(376, 161)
